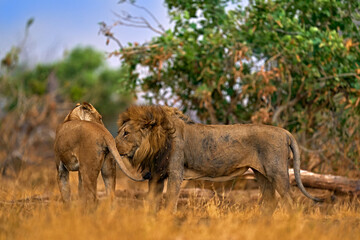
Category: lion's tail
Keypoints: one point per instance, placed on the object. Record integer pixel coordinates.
(295, 149)
(110, 142)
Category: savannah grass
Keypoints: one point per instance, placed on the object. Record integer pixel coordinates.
(213, 219)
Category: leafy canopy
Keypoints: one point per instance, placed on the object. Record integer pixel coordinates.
(81, 76)
(289, 63)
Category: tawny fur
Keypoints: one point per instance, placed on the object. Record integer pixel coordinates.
(170, 145)
(83, 144)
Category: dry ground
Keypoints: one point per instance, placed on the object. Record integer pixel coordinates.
(29, 209)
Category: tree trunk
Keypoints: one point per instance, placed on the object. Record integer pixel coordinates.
(327, 181)
(321, 181)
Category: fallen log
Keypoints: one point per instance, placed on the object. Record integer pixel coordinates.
(330, 182)
(327, 181)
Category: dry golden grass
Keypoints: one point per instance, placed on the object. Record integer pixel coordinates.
(124, 219)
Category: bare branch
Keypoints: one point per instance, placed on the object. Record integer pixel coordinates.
(126, 19)
(127, 16)
(273, 58)
(105, 30)
(138, 49)
(151, 15)
(339, 75)
(310, 150)
(288, 33)
(131, 21)
(288, 104)
(148, 24)
(281, 108)
(116, 40)
(130, 24)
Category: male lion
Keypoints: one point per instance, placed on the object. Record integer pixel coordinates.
(170, 145)
(83, 144)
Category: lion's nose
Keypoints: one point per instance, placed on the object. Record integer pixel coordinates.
(147, 175)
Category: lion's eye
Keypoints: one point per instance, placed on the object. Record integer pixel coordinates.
(125, 133)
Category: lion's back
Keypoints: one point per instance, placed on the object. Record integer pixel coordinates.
(76, 133)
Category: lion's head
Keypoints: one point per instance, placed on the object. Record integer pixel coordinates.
(86, 112)
(145, 135)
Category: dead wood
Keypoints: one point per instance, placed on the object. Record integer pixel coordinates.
(326, 181)
(330, 182)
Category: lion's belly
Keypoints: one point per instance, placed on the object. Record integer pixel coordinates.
(190, 174)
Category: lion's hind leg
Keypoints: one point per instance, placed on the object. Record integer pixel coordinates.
(63, 181)
(282, 185)
(108, 173)
(88, 185)
(268, 200)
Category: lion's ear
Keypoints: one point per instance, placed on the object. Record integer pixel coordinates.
(87, 106)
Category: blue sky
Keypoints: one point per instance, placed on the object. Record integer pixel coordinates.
(62, 25)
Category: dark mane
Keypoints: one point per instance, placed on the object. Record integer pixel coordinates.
(160, 162)
(158, 123)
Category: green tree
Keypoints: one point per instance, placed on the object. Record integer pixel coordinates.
(82, 76)
(289, 63)
(312, 47)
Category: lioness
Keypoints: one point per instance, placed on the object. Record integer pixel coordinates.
(172, 146)
(83, 144)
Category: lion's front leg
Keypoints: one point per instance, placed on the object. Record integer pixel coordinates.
(173, 189)
(156, 187)
(175, 176)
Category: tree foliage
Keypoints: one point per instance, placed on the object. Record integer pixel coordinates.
(289, 63)
(82, 76)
